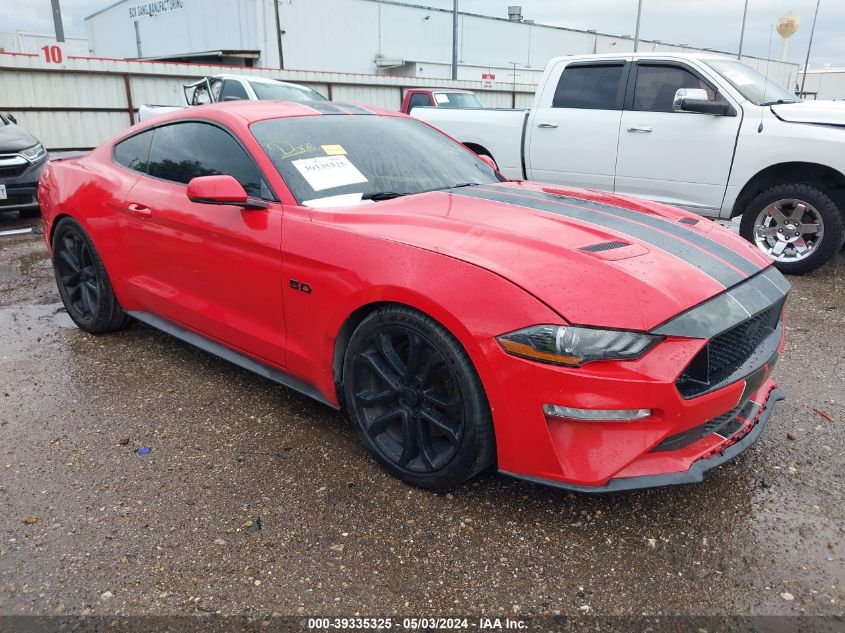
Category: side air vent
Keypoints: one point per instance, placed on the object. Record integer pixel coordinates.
(603, 246)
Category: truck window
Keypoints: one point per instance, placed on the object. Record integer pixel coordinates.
(593, 87)
(419, 99)
(232, 89)
(656, 87)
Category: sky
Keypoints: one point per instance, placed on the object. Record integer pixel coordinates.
(702, 23)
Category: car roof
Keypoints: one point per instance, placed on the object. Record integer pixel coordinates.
(257, 80)
(252, 111)
(657, 55)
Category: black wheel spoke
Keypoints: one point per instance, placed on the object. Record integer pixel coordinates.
(439, 422)
(379, 425)
(409, 441)
(427, 452)
(389, 354)
(416, 347)
(449, 405)
(427, 372)
(71, 261)
(369, 399)
(387, 375)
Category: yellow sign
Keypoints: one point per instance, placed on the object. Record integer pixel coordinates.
(334, 150)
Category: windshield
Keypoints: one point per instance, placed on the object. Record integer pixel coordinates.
(282, 92)
(753, 86)
(355, 157)
(457, 100)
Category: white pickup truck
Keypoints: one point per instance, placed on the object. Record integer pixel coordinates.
(702, 132)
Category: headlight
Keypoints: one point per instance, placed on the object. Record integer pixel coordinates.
(33, 154)
(573, 346)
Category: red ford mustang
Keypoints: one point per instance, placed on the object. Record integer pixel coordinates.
(361, 257)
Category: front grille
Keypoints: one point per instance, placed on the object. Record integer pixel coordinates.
(13, 199)
(13, 171)
(727, 352)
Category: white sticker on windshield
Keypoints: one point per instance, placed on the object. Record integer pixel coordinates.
(328, 172)
(441, 98)
(738, 77)
(341, 200)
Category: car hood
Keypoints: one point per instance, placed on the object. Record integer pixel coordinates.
(594, 258)
(14, 139)
(818, 112)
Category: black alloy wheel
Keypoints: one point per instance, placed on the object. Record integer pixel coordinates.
(417, 400)
(82, 281)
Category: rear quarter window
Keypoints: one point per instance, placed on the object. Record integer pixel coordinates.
(134, 152)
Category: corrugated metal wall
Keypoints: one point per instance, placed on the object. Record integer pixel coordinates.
(84, 101)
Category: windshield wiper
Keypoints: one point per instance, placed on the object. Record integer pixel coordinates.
(382, 195)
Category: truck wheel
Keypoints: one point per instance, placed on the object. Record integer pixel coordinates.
(797, 225)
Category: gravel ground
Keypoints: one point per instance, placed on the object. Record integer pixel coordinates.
(255, 500)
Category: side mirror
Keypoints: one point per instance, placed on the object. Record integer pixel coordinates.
(223, 190)
(489, 161)
(695, 100)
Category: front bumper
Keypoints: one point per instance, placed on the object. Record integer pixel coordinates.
(21, 186)
(695, 474)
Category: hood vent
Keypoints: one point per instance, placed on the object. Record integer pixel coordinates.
(603, 246)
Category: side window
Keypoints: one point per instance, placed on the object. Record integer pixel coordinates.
(232, 90)
(216, 85)
(656, 87)
(593, 87)
(134, 152)
(182, 151)
(419, 99)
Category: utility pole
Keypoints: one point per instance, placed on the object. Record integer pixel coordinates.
(742, 32)
(810, 45)
(637, 31)
(455, 40)
(57, 21)
(279, 35)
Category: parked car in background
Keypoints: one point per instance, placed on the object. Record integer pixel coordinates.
(698, 131)
(363, 258)
(439, 98)
(22, 157)
(234, 88)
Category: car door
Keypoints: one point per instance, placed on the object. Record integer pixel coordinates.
(574, 130)
(213, 269)
(681, 158)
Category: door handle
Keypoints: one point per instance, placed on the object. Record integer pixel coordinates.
(639, 128)
(547, 124)
(139, 210)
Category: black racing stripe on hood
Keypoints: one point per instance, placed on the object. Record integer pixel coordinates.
(709, 265)
(680, 230)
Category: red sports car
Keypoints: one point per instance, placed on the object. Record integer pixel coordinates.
(569, 337)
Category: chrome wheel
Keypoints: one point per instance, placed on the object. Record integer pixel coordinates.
(789, 230)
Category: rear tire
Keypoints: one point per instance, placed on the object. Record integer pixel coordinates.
(416, 399)
(777, 222)
(82, 281)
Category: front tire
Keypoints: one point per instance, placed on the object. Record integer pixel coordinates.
(416, 399)
(82, 281)
(797, 225)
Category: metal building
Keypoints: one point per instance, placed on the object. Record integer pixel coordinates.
(355, 36)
